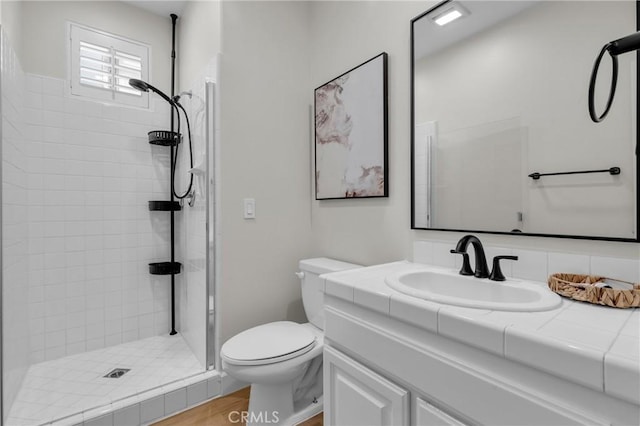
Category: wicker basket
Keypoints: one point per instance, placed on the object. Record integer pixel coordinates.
(584, 288)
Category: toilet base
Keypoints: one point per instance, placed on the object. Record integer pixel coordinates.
(306, 412)
(273, 405)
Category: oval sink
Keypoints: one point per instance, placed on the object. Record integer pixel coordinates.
(451, 288)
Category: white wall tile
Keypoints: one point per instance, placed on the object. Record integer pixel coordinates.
(55, 352)
(196, 393)
(152, 409)
(621, 269)
(105, 420)
(52, 86)
(531, 265)
(175, 401)
(214, 387)
(64, 166)
(568, 263)
(83, 211)
(128, 416)
(34, 83)
(93, 344)
(423, 252)
(442, 255)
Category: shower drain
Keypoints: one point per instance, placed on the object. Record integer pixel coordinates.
(116, 373)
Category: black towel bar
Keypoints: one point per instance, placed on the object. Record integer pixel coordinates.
(612, 171)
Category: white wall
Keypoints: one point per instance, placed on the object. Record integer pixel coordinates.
(44, 42)
(345, 34)
(267, 50)
(11, 18)
(199, 39)
(371, 231)
(265, 155)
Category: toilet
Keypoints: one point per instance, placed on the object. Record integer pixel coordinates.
(283, 360)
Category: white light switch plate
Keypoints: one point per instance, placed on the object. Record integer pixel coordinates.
(249, 208)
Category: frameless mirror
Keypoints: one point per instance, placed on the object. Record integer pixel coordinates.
(500, 95)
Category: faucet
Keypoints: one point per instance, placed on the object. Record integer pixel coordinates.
(481, 269)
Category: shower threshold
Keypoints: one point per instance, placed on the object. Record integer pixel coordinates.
(73, 388)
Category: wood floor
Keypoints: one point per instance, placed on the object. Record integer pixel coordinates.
(216, 412)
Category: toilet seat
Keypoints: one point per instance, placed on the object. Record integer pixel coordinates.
(268, 344)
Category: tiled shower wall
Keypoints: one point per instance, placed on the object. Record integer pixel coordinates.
(91, 235)
(15, 331)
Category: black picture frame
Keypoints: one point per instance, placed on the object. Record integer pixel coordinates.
(351, 133)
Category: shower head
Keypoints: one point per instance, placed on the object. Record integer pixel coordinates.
(139, 85)
(143, 86)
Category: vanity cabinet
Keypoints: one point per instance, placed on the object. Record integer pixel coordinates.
(381, 371)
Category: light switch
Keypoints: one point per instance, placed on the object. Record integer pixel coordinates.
(249, 208)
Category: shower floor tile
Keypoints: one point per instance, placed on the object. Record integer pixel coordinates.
(63, 387)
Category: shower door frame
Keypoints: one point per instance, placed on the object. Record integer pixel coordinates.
(212, 236)
(2, 407)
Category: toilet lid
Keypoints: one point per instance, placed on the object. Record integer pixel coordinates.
(267, 343)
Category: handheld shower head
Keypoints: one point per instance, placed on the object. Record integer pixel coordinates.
(138, 84)
(143, 86)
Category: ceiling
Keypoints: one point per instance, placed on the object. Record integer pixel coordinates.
(160, 7)
(430, 38)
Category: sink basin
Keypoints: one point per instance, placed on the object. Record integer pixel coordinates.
(451, 288)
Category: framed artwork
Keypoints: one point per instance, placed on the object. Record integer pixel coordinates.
(351, 133)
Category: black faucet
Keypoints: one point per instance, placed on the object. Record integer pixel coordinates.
(481, 269)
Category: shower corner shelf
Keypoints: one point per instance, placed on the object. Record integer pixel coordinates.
(165, 268)
(164, 137)
(165, 206)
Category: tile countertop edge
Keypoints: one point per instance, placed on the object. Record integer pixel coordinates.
(578, 363)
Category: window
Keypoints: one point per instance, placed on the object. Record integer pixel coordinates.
(102, 64)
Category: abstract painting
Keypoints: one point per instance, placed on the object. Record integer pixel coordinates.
(351, 133)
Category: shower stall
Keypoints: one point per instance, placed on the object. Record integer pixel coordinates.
(85, 326)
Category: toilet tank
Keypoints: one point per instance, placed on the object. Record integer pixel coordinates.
(312, 294)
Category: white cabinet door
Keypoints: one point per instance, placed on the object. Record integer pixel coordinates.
(425, 414)
(357, 396)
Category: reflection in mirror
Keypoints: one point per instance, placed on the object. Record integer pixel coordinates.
(501, 93)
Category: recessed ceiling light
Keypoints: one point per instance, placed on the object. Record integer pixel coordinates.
(447, 17)
(448, 13)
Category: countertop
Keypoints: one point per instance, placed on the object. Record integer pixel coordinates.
(594, 346)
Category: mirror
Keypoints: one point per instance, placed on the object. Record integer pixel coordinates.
(501, 93)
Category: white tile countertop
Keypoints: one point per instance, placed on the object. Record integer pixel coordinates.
(594, 346)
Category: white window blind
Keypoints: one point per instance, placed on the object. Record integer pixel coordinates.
(102, 64)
